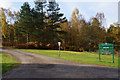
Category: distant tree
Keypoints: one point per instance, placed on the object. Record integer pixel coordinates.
(54, 19)
(8, 19)
(85, 35)
(67, 36)
(96, 33)
(38, 14)
(0, 26)
(5, 25)
(113, 33)
(101, 18)
(25, 20)
(76, 23)
(84, 39)
(76, 28)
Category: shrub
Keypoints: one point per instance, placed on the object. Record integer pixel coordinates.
(67, 48)
(21, 46)
(52, 46)
(81, 50)
(31, 45)
(62, 47)
(7, 44)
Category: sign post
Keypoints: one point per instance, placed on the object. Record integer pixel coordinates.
(106, 48)
(59, 47)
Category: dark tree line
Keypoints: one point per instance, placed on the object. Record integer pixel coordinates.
(43, 26)
(42, 23)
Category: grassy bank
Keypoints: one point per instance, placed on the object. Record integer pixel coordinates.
(8, 62)
(81, 57)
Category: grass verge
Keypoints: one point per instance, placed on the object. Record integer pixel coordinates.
(81, 57)
(8, 62)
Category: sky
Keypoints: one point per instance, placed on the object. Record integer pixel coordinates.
(88, 8)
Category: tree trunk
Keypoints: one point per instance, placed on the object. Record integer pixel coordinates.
(27, 38)
(18, 41)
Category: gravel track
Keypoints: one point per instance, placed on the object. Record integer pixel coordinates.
(39, 66)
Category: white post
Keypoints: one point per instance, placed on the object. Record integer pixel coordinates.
(59, 50)
(59, 47)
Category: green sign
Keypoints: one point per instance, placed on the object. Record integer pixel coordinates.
(106, 48)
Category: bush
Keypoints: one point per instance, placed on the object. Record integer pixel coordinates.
(81, 50)
(67, 47)
(31, 45)
(52, 46)
(62, 47)
(21, 46)
(7, 44)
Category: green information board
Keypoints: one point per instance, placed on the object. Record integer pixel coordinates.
(106, 48)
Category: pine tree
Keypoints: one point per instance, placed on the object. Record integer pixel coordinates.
(25, 19)
(54, 19)
(38, 14)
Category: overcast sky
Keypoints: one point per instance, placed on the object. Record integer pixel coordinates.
(88, 8)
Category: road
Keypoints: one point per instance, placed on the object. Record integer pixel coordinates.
(39, 66)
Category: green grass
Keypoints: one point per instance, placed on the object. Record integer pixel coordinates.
(8, 62)
(81, 57)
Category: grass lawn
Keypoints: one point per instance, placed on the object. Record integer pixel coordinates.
(81, 57)
(8, 62)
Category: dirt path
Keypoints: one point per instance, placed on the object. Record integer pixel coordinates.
(39, 66)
